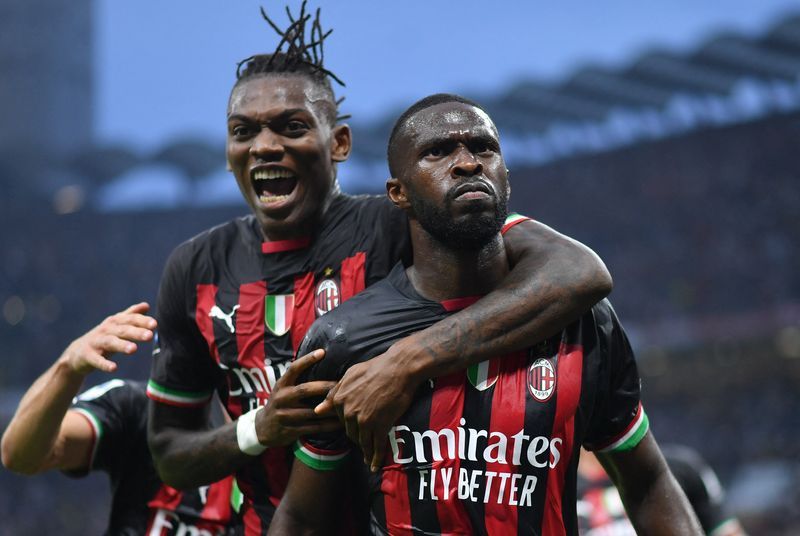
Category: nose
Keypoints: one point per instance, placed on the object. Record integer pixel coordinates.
(267, 146)
(466, 164)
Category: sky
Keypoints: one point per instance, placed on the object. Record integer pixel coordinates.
(163, 70)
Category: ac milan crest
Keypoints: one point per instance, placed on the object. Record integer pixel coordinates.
(327, 296)
(541, 380)
(278, 313)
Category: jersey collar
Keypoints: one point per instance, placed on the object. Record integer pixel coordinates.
(277, 246)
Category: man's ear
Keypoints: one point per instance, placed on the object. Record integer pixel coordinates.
(397, 193)
(342, 143)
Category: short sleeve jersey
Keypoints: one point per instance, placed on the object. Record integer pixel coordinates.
(601, 512)
(232, 310)
(492, 450)
(141, 504)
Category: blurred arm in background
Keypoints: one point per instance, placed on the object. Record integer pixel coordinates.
(44, 434)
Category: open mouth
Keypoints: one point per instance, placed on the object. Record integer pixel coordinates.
(273, 185)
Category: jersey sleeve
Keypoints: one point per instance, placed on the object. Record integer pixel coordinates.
(110, 408)
(618, 422)
(324, 452)
(182, 372)
(511, 220)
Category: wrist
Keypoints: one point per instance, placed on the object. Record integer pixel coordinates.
(247, 433)
(411, 361)
(67, 370)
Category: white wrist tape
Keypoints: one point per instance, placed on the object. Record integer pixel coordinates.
(246, 433)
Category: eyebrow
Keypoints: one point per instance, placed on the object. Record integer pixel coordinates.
(280, 116)
(484, 137)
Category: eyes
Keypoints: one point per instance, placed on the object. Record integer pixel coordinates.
(292, 128)
(482, 148)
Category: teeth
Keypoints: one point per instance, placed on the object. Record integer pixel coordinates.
(266, 174)
(266, 198)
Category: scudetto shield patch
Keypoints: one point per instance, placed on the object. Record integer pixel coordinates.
(278, 313)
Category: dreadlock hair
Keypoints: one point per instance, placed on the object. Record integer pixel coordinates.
(303, 55)
(402, 121)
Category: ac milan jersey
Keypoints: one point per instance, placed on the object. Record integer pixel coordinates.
(492, 450)
(141, 503)
(232, 310)
(601, 512)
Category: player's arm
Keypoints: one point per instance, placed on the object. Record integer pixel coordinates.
(553, 281)
(44, 434)
(187, 453)
(654, 501)
(309, 505)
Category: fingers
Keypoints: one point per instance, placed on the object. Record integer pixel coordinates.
(365, 440)
(292, 394)
(98, 362)
(299, 366)
(378, 452)
(141, 307)
(326, 407)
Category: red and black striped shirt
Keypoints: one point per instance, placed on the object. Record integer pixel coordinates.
(233, 309)
(493, 450)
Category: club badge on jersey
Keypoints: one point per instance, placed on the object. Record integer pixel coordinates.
(278, 313)
(327, 296)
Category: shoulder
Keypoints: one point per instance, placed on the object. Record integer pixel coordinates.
(117, 394)
(238, 230)
(366, 208)
(366, 325)
(603, 312)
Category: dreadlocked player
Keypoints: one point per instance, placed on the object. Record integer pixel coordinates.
(236, 300)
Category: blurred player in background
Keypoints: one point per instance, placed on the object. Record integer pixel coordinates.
(235, 301)
(494, 449)
(600, 509)
(105, 429)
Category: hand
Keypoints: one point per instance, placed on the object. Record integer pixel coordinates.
(369, 399)
(116, 334)
(287, 416)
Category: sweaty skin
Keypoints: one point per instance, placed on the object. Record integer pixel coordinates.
(277, 122)
(553, 281)
(432, 166)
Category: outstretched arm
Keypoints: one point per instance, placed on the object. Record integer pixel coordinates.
(189, 454)
(43, 434)
(655, 503)
(553, 281)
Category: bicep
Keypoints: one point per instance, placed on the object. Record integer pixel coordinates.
(536, 245)
(633, 469)
(165, 423)
(311, 502)
(74, 445)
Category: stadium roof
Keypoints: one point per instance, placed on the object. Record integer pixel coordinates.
(727, 79)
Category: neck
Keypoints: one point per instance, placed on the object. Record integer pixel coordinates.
(279, 230)
(442, 273)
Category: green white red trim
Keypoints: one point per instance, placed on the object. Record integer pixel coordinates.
(512, 220)
(97, 431)
(632, 435)
(278, 311)
(321, 460)
(173, 397)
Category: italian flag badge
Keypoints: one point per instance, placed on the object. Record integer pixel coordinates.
(484, 374)
(278, 312)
